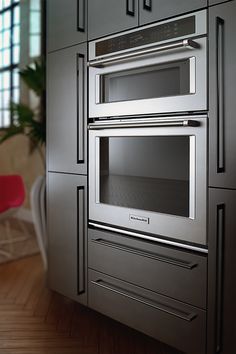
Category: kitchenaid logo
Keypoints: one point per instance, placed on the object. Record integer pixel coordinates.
(139, 218)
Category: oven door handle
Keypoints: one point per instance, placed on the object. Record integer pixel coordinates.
(184, 44)
(144, 124)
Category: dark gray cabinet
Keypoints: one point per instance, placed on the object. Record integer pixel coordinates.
(67, 110)
(222, 71)
(66, 23)
(155, 10)
(222, 272)
(67, 221)
(214, 2)
(111, 16)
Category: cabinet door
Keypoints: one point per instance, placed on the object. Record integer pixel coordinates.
(67, 220)
(222, 58)
(222, 272)
(110, 16)
(66, 23)
(154, 10)
(66, 110)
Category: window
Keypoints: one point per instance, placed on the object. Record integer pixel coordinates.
(9, 57)
(35, 29)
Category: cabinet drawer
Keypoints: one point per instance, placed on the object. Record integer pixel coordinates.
(178, 274)
(179, 325)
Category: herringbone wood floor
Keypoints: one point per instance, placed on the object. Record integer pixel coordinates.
(34, 320)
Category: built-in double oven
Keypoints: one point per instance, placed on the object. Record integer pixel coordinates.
(148, 132)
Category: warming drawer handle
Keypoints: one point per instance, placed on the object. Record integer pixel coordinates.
(147, 123)
(156, 305)
(184, 44)
(169, 260)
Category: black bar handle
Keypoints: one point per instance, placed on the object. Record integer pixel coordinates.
(219, 274)
(158, 257)
(80, 107)
(130, 7)
(81, 15)
(148, 302)
(220, 95)
(147, 5)
(80, 240)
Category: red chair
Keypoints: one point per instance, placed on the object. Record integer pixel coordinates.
(12, 196)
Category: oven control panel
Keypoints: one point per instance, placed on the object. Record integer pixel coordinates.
(158, 33)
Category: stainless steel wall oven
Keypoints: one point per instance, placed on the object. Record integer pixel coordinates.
(148, 168)
(150, 178)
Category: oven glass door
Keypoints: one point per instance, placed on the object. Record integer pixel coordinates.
(162, 80)
(151, 180)
(146, 173)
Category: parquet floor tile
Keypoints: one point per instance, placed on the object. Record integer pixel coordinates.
(35, 320)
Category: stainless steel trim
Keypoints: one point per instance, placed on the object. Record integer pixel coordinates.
(144, 123)
(158, 306)
(97, 88)
(192, 69)
(151, 238)
(184, 44)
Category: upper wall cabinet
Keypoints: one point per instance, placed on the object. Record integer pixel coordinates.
(66, 110)
(154, 10)
(66, 23)
(110, 16)
(222, 70)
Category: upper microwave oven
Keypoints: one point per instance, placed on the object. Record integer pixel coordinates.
(161, 68)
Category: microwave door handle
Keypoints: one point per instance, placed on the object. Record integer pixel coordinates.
(160, 123)
(185, 44)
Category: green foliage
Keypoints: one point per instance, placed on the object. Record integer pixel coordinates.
(31, 123)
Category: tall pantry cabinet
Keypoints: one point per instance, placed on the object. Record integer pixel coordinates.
(222, 179)
(67, 147)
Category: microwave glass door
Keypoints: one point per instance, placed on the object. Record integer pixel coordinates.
(149, 173)
(162, 80)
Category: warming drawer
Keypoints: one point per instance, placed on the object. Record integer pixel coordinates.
(180, 325)
(181, 275)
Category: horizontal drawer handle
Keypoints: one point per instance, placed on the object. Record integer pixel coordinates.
(185, 123)
(184, 44)
(158, 306)
(172, 261)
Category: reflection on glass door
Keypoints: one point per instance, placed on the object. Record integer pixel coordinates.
(147, 173)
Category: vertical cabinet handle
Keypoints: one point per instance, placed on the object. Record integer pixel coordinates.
(219, 274)
(81, 15)
(220, 94)
(147, 5)
(130, 7)
(80, 108)
(80, 240)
